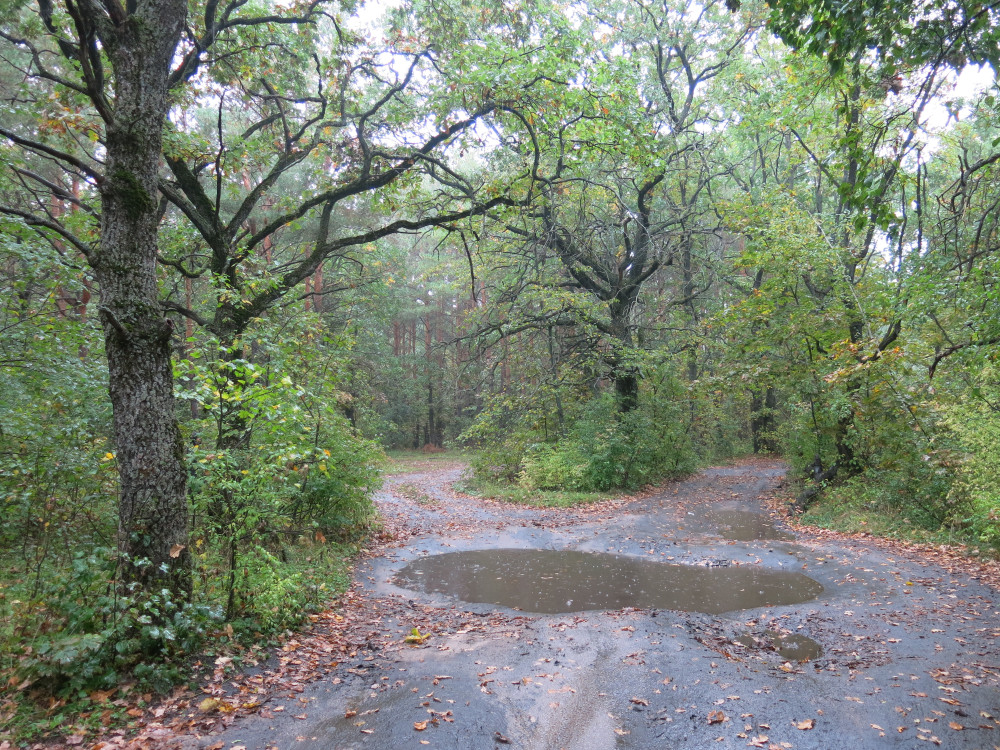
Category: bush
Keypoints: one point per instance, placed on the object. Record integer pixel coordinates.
(81, 631)
(603, 448)
(253, 504)
(976, 489)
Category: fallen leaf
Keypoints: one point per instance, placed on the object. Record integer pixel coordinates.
(176, 550)
(420, 725)
(716, 717)
(805, 724)
(956, 726)
(639, 701)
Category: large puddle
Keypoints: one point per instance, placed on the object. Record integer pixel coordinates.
(745, 526)
(554, 581)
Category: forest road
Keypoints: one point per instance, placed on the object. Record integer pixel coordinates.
(768, 637)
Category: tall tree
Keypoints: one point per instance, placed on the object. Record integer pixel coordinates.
(626, 171)
(116, 59)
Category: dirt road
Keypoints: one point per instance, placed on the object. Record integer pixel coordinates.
(876, 645)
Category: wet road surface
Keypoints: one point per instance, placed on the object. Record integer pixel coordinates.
(873, 648)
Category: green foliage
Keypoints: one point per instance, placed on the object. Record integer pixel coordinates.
(286, 466)
(904, 35)
(270, 519)
(603, 448)
(976, 489)
(536, 498)
(79, 631)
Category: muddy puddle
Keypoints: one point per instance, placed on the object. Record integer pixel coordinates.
(790, 646)
(558, 581)
(745, 526)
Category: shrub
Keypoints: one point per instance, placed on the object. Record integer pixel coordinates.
(82, 631)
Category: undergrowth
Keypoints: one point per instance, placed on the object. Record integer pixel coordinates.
(76, 655)
(861, 505)
(537, 498)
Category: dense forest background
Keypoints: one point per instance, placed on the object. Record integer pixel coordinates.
(595, 243)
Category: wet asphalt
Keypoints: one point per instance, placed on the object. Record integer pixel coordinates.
(904, 653)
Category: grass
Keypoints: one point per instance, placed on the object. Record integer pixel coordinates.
(855, 507)
(513, 493)
(414, 493)
(401, 461)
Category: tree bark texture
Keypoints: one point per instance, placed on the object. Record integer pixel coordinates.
(152, 532)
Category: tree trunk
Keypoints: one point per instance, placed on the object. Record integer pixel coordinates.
(626, 381)
(762, 405)
(152, 531)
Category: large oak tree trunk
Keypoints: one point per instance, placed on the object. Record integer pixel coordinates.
(152, 533)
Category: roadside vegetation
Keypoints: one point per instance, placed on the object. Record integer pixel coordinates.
(657, 240)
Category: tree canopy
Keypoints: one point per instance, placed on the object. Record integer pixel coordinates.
(248, 246)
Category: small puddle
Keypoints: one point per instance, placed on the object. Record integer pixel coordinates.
(791, 646)
(745, 526)
(556, 581)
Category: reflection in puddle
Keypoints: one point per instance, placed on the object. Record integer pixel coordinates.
(551, 581)
(791, 646)
(745, 526)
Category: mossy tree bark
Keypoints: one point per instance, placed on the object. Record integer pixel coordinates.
(119, 58)
(152, 534)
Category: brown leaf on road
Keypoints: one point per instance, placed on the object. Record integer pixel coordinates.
(639, 701)
(420, 725)
(956, 726)
(716, 717)
(805, 724)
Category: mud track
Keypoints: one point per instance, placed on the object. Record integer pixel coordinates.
(908, 637)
